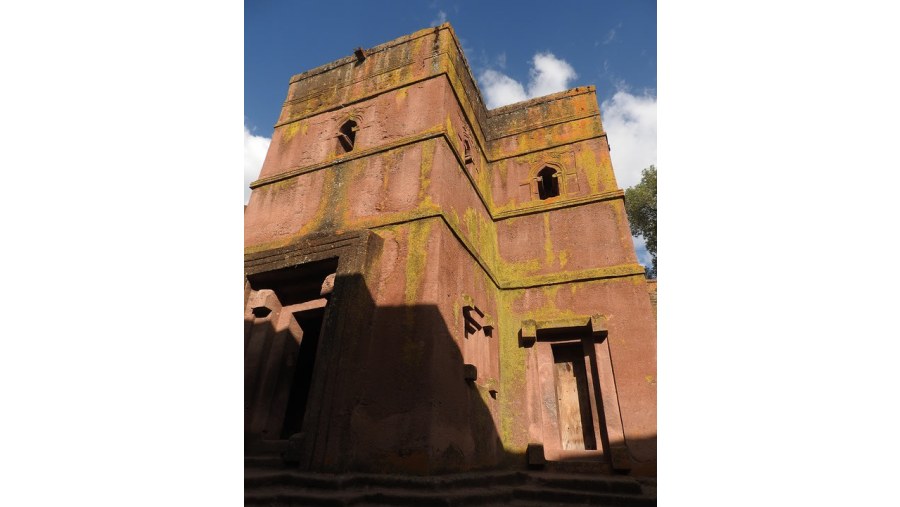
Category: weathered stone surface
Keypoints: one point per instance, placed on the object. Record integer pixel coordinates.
(414, 251)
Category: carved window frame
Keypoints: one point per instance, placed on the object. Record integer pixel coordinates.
(467, 150)
(567, 182)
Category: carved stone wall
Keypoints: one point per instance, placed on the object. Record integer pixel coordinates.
(449, 252)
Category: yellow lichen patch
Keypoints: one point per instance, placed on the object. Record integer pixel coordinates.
(456, 83)
(352, 171)
(400, 96)
(563, 258)
(584, 159)
(470, 217)
(417, 239)
(618, 207)
(453, 219)
(427, 206)
(523, 279)
(482, 234)
(280, 186)
(512, 272)
(548, 242)
(502, 169)
(512, 373)
(425, 167)
(290, 130)
(385, 179)
(549, 309)
(549, 312)
(452, 135)
(638, 280)
(269, 245)
(325, 205)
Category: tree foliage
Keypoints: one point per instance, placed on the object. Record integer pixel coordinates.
(640, 204)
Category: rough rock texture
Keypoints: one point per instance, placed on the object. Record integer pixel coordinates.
(401, 238)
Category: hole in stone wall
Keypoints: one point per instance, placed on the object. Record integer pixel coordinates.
(261, 312)
(347, 135)
(548, 183)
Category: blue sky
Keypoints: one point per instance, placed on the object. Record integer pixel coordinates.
(517, 50)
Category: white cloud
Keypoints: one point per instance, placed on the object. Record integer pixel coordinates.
(255, 148)
(548, 74)
(629, 120)
(630, 124)
(440, 20)
(500, 89)
(501, 60)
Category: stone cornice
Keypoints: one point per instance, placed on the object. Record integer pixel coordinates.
(472, 107)
(353, 155)
(541, 125)
(263, 255)
(442, 134)
(542, 207)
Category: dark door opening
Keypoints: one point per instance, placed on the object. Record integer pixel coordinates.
(311, 324)
(280, 359)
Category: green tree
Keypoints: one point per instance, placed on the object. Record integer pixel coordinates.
(640, 204)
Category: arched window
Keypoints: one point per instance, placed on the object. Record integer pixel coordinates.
(468, 152)
(347, 135)
(548, 183)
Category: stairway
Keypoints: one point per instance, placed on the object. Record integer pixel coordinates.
(268, 482)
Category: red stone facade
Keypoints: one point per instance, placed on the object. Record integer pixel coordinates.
(435, 287)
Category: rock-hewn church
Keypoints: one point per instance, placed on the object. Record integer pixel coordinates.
(435, 288)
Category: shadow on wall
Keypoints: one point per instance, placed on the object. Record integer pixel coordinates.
(340, 384)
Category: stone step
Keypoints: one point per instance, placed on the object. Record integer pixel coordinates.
(270, 482)
(559, 496)
(581, 482)
(271, 477)
(291, 496)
